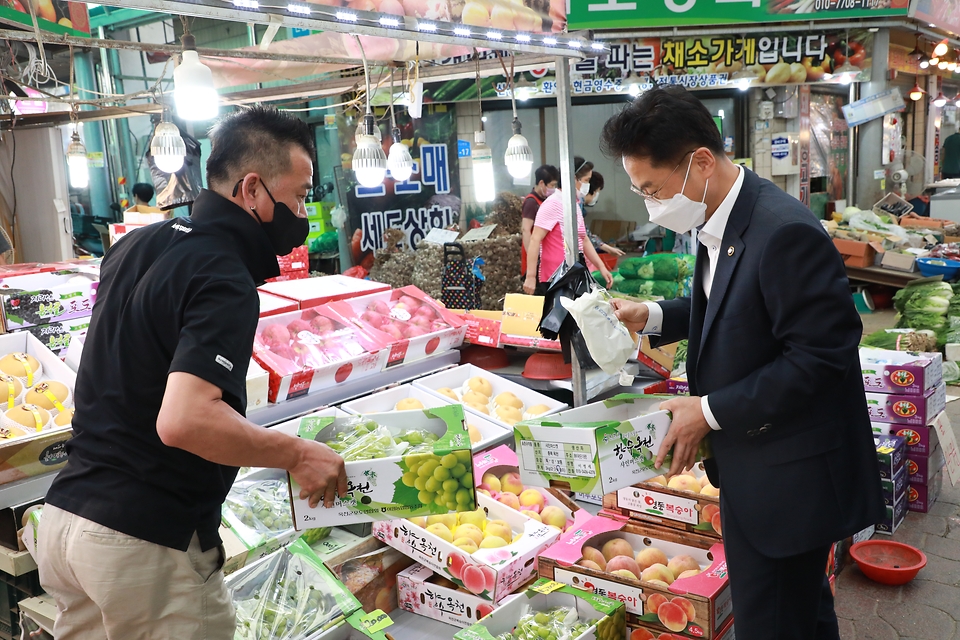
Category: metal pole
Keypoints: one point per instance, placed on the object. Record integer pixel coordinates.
(567, 179)
(852, 135)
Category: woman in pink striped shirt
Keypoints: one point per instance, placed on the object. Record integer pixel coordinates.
(546, 242)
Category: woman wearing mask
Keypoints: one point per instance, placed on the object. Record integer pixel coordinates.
(590, 200)
(546, 241)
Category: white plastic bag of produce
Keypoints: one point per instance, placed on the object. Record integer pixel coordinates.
(610, 342)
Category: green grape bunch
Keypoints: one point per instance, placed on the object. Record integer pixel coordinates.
(445, 481)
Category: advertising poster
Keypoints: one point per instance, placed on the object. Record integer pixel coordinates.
(429, 199)
(56, 16)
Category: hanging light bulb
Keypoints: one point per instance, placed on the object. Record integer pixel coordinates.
(916, 93)
(77, 163)
(168, 148)
(917, 52)
(482, 158)
(369, 161)
(940, 100)
(194, 93)
(846, 73)
(941, 48)
(519, 156)
(942, 65)
(399, 161)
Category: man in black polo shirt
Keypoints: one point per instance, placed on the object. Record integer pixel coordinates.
(128, 539)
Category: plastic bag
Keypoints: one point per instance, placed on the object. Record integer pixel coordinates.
(671, 267)
(662, 288)
(260, 505)
(609, 341)
(871, 222)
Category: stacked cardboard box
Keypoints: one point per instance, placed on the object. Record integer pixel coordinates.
(891, 454)
(294, 266)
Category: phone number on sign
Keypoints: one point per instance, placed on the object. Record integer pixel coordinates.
(843, 5)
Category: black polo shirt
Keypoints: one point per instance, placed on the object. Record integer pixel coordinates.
(175, 296)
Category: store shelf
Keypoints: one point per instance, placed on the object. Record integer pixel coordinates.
(281, 412)
(16, 563)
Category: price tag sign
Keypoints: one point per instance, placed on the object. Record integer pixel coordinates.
(948, 442)
(375, 621)
(480, 233)
(439, 235)
(548, 587)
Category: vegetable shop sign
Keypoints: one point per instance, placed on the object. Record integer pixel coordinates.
(629, 14)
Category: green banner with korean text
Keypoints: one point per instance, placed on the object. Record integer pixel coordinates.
(635, 14)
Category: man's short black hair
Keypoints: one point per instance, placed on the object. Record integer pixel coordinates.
(256, 139)
(581, 167)
(660, 126)
(143, 191)
(546, 173)
(596, 182)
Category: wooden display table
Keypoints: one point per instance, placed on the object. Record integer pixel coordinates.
(879, 275)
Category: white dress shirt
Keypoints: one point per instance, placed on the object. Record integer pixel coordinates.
(710, 236)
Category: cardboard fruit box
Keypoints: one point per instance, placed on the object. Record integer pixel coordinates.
(372, 577)
(421, 591)
(38, 452)
(57, 336)
(907, 409)
(417, 326)
(920, 497)
(696, 606)
(681, 506)
(501, 463)
(491, 573)
(382, 487)
(643, 632)
(900, 372)
(891, 453)
(596, 448)
(458, 379)
(312, 292)
(920, 440)
(43, 298)
(893, 489)
(271, 305)
(311, 350)
(604, 616)
(921, 469)
(893, 517)
(484, 434)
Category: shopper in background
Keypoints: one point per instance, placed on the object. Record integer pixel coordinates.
(142, 193)
(773, 366)
(128, 542)
(546, 176)
(590, 200)
(546, 240)
(949, 158)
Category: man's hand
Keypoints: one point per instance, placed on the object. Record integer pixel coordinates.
(633, 314)
(530, 285)
(687, 429)
(319, 472)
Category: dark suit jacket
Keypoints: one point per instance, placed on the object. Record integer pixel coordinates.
(776, 351)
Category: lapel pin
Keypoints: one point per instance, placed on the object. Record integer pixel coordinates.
(730, 251)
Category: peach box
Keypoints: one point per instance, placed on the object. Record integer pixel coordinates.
(312, 292)
(704, 605)
(271, 305)
(503, 460)
(643, 632)
(503, 569)
(417, 592)
(321, 352)
(404, 348)
(669, 507)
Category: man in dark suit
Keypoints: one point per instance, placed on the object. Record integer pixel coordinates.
(773, 368)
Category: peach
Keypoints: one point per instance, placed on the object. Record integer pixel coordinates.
(681, 563)
(593, 554)
(511, 482)
(509, 499)
(715, 522)
(449, 520)
(456, 562)
(661, 480)
(467, 545)
(470, 531)
(498, 529)
(492, 482)
(483, 609)
(532, 498)
(589, 564)
(659, 583)
(623, 573)
(553, 517)
(684, 483)
(494, 542)
(687, 607)
(707, 513)
(688, 574)
(623, 562)
(641, 634)
(657, 572)
(441, 531)
(654, 602)
(704, 481)
(616, 547)
(651, 556)
(533, 515)
(420, 522)
(489, 577)
(672, 616)
(475, 582)
(480, 385)
(709, 490)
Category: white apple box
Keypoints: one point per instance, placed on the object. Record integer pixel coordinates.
(417, 593)
(506, 568)
(406, 349)
(375, 492)
(593, 610)
(271, 305)
(385, 401)
(457, 377)
(258, 386)
(312, 292)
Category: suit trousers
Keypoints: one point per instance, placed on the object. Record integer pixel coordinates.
(777, 598)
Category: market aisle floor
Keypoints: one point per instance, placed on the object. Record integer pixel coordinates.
(928, 607)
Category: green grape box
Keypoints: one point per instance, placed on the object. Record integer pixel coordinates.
(594, 449)
(385, 487)
(599, 618)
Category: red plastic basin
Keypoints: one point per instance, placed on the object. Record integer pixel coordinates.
(484, 357)
(547, 366)
(888, 562)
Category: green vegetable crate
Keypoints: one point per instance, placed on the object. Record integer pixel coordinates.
(399, 465)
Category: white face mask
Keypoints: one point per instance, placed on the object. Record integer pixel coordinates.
(680, 214)
(549, 191)
(596, 197)
(584, 188)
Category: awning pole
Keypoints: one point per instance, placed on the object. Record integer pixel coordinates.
(570, 226)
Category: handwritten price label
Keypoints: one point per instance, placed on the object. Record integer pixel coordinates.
(548, 587)
(375, 621)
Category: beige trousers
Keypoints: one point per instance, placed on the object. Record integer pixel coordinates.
(112, 586)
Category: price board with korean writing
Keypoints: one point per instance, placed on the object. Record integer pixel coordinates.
(561, 458)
